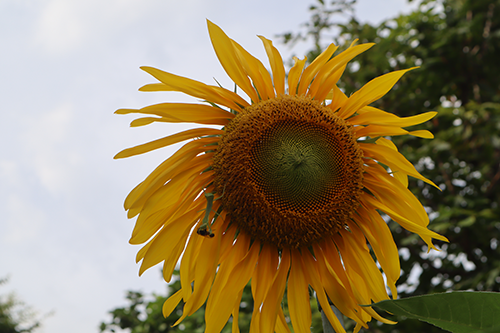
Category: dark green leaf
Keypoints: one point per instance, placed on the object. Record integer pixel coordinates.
(458, 312)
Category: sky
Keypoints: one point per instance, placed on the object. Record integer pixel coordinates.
(65, 67)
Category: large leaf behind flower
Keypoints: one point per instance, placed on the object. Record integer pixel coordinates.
(458, 312)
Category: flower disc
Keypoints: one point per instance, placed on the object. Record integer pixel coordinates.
(289, 171)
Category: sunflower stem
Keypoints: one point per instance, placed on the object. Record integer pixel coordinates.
(327, 326)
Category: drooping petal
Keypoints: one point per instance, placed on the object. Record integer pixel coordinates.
(364, 276)
(188, 265)
(298, 295)
(264, 274)
(398, 173)
(228, 284)
(272, 303)
(163, 247)
(204, 275)
(424, 134)
(165, 171)
(393, 159)
(411, 226)
(152, 217)
(235, 313)
(178, 188)
(387, 188)
(335, 280)
(309, 267)
(380, 238)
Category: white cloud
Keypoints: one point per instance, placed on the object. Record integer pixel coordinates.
(60, 27)
(46, 147)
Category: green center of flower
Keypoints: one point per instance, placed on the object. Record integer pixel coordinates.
(289, 171)
(295, 164)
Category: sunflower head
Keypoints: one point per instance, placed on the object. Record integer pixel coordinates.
(288, 189)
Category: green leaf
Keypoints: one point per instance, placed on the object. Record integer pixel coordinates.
(458, 312)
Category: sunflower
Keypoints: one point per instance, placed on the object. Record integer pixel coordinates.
(285, 192)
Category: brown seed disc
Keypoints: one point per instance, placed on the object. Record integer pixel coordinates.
(289, 171)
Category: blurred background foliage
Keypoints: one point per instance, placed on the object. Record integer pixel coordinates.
(15, 315)
(456, 43)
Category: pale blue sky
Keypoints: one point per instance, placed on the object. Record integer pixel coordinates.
(65, 66)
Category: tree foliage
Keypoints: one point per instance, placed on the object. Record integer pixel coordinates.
(456, 44)
(15, 316)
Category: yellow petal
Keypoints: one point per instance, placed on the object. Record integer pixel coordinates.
(422, 134)
(331, 72)
(163, 247)
(365, 277)
(196, 89)
(277, 67)
(157, 87)
(298, 295)
(167, 141)
(294, 75)
(324, 90)
(204, 120)
(371, 92)
(308, 266)
(272, 302)
(161, 212)
(423, 232)
(335, 281)
(398, 174)
(152, 197)
(387, 143)
(370, 115)
(387, 188)
(281, 324)
(380, 130)
(338, 98)
(229, 60)
(166, 170)
(358, 250)
(267, 268)
(228, 285)
(235, 313)
(204, 275)
(257, 72)
(171, 303)
(393, 160)
(380, 238)
(188, 264)
(182, 112)
(313, 69)
(227, 243)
